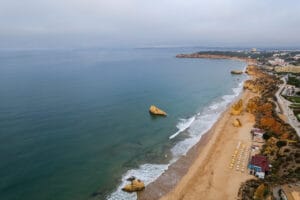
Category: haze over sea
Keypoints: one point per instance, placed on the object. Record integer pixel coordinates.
(73, 122)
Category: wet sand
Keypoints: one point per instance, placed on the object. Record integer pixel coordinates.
(204, 173)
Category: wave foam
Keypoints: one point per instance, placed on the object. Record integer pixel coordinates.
(183, 125)
(147, 172)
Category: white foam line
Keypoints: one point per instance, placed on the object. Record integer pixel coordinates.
(182, 126)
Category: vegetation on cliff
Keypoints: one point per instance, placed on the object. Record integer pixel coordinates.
(282, 144)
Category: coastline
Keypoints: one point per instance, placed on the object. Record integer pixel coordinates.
(204, 170)
(249, 61)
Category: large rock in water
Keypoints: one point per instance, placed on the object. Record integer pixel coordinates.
(156, 111)
(135, 186)
(236, 72)
(237, 108)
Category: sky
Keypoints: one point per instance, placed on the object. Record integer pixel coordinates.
(141, 23)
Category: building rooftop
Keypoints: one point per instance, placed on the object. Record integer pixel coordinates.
(260, 161)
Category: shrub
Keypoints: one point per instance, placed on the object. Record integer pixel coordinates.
(266, 136)
(259, 193)
(281, 143)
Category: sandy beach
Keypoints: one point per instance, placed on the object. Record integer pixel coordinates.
(206, 171)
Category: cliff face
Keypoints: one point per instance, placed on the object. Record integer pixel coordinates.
(262, 106)
(252, 70)
(283, 157)
(268, 120)
(256, 106)
(252, 86)
(263, 84)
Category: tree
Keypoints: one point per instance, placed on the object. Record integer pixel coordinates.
(281, 143)
(266, 136)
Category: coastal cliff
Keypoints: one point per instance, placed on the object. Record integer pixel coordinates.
(202, 175)
(237, 108)
(282, 157)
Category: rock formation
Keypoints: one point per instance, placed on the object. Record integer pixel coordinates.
(237, 123)
(251, 85)
(262, 106)
(256, 105)
(236, 72)
(251, 70)
(264, 84)
(135, 186)
(156, 111)
(237, 108)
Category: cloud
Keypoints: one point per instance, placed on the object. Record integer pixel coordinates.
(156, 22)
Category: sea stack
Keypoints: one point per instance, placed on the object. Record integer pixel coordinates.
(156, 111)
(236, 72)
(135, 186)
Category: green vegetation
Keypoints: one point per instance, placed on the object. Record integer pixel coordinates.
(260, 192)
(266, 136)
(294, 99)
(281, 143)
(297, 113)
(240, 54)
(292, 80)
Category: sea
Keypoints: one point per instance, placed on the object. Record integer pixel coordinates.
(74, 123)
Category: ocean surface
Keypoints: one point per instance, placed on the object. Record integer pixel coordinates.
(74, 123)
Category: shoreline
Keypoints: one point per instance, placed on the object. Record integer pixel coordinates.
(216, 112)
(179, 178)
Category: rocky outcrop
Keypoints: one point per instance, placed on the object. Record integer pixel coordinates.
(237, 123)
(264, 84)
(251, 70)
(256, 105)
(237, 108)
(135, 186)
(236, 72)
(265, 118)
(156, 111)
(252, 86)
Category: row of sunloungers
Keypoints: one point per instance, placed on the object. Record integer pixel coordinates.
(240, 157)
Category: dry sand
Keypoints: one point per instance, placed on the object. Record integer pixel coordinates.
(204, 172)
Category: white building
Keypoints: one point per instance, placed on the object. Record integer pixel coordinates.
(277, 61)
(297, 57)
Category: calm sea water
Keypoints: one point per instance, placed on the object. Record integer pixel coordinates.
(73, 122)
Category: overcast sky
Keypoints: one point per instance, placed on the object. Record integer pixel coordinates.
(137, 23)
